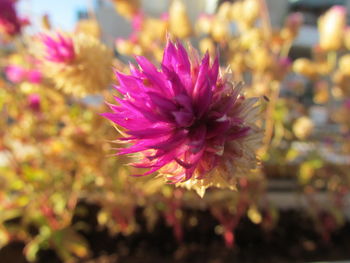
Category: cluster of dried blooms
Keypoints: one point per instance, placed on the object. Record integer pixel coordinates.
(182, 121)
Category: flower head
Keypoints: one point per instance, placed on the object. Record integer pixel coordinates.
(78, 64)
(331, 28)
(187, 120)
(9, 22)
(15, 74)
(137, 21)
(34, 76)
(18, 74)
(34, 102)
(59, 49)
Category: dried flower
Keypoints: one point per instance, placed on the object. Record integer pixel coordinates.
(207, 44)
(331, 27)
(292, 25)
(303, 127)
(188, 120)
(127, 8)
(304, 67)
(250, 11)
(79, 65)
(204, 24)
(124, 46)
(89, 27)
(45, 22)
(180, 25)
(10, 24)
(220, 30)
(344, 64)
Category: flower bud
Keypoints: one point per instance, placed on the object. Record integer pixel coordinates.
(88, 27)
(280, 68)
(347, 38)
(344, 64)
(124, 46)
(127, 8)
(204, 24)
(331, 28)
(343, 82)
(220, 30)
(45, 22)
(292, 26)
(251, 38)
(224, 11)
(34, 76)
(34, 102)
(321, 92)
(236, 10)
(250, 11)
(261, 59)
(15, 74)
(180, 25)
(305, 67)
(303, 127)
(207, 44)
(238, 63)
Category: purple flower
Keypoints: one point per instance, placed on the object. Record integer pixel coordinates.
(15, 74)
(34, 102)
(34, 76)
(186, 120)
(9, 22)
(137, 21)
(59, 49)
(18, 74)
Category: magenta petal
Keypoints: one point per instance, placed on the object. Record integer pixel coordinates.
(183, 61)
(150, 133)
(182, 118)
(183, 114)
(162, 102)
(219, 128)
(241, 133)
(127, 83)
(175, 140)
(184, 164)
(169, 59)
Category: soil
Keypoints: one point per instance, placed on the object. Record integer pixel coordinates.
(293, 239)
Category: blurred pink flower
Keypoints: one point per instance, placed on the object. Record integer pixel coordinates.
(347, 104)
(9, 22)
(59, 49)
(18, 74)
(184, 119)
(137, 21)
(34, 76)
(165, 16)
(15, 74)
(34, 102)
(25, 21)
(294, 21)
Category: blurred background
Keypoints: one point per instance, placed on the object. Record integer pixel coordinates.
(65, 196)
